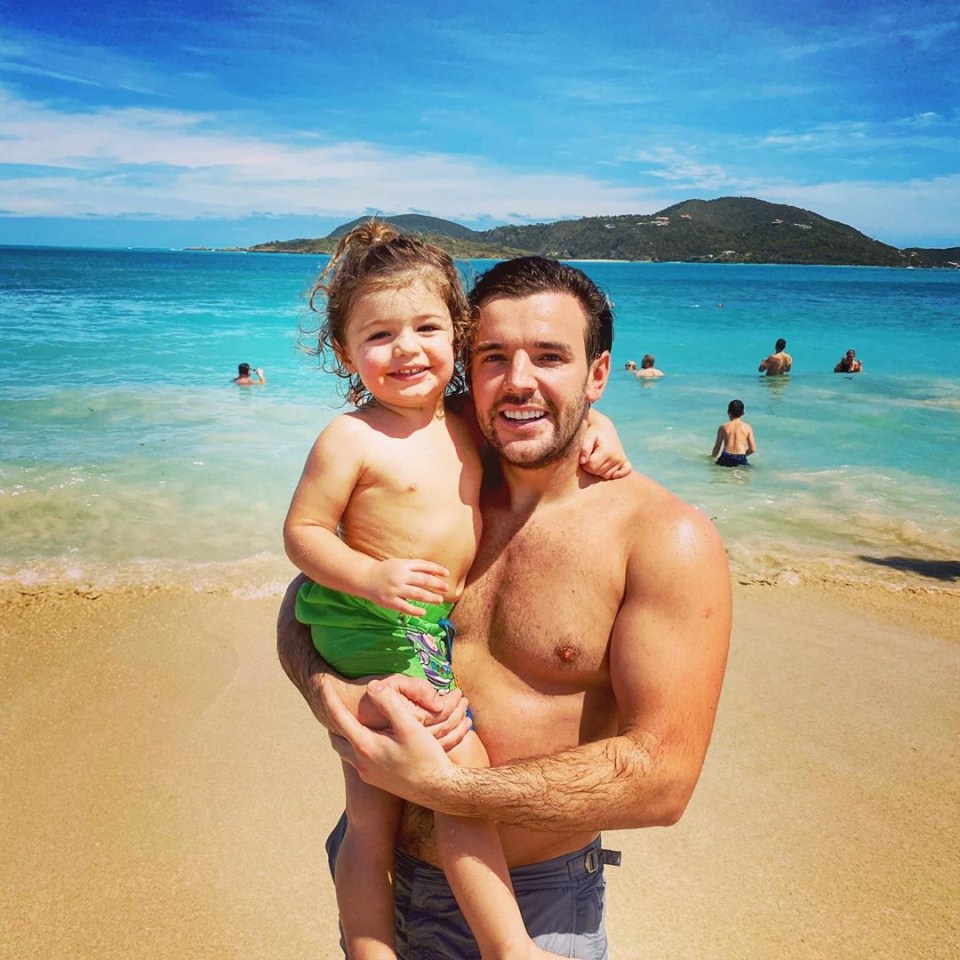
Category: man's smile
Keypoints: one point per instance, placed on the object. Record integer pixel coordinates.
(522, 416)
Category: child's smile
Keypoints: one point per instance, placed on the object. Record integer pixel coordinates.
(400, 342)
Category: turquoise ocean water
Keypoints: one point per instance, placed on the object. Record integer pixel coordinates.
(128, 456)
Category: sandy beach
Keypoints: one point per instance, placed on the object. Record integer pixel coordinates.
(166, 792)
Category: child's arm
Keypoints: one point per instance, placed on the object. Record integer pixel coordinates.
(601, 453)
(333, 469)
(751, 443)
(719, 443)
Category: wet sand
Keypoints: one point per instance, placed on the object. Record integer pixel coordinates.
(166, 793)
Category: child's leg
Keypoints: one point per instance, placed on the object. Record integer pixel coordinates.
(364, 872)
(472, 858)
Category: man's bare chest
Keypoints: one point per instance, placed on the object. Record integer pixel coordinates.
(543, 602)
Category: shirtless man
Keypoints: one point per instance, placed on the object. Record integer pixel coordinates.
(243, 378)
(592, 639)
(735, 438)
(777, 363)
(648, 368)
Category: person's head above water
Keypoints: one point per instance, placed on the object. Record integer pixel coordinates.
(243, 369)
(781, 344)
(648, 361)
(372, 258)
(735, 408)
(526, 276)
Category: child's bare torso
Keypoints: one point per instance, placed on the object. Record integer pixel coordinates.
(736, 436)
(418, 494)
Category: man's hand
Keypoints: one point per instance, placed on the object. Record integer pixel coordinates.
(404, 759)
(443, 715)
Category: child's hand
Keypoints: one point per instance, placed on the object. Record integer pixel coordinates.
(395, 582)
(601, 453)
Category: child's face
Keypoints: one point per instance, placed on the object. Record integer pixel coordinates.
(400, 342)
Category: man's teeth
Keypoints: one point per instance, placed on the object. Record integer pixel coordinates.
(523, 414)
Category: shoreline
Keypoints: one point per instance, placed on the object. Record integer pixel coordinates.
(174, 792)
(265, 576)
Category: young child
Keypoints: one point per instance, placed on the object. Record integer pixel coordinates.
(735, 438)
(385, 521)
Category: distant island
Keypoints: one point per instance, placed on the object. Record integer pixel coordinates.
(726, 230)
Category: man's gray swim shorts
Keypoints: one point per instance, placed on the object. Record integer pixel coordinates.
(561, 901)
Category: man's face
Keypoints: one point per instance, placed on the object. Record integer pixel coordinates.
(530, 379)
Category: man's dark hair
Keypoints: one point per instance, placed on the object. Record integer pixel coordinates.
(735, 409)
(243, 369)
(526, 276)
(781, 343)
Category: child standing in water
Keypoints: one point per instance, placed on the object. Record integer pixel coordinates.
(385, 521)
(735, 438)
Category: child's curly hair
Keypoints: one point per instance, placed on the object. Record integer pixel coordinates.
(375, 256)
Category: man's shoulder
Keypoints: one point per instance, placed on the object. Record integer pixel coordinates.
(665, 536)
(641, 497)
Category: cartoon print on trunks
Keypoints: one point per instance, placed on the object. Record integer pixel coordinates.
(434, 657)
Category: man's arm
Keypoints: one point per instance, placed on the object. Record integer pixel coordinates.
(445, 716)
(667, 658)
(763, 365)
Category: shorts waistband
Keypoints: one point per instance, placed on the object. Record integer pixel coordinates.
(578, 865)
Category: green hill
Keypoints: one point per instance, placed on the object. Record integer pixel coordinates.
(926, 257)
(459, 241)
(726, 230)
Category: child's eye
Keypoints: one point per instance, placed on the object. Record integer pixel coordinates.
(378, 335)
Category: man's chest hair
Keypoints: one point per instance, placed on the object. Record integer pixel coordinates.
(545, 598)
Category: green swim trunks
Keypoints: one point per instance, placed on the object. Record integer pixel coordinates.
(358, 638)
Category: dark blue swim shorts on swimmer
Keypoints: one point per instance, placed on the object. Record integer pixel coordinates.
(561, 901)
(732, 460)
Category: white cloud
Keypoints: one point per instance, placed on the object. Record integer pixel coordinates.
(164, 163)
(682, 168)
(896, 213)
(171, 165)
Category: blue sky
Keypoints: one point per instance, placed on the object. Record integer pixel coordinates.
(169, 123)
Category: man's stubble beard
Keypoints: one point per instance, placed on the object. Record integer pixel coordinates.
(567, 431)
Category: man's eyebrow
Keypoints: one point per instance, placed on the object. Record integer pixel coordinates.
(485, 346)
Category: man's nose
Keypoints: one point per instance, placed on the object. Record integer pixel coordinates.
(520, 373)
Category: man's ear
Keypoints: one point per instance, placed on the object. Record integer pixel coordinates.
(343, 358)
(598, 376)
